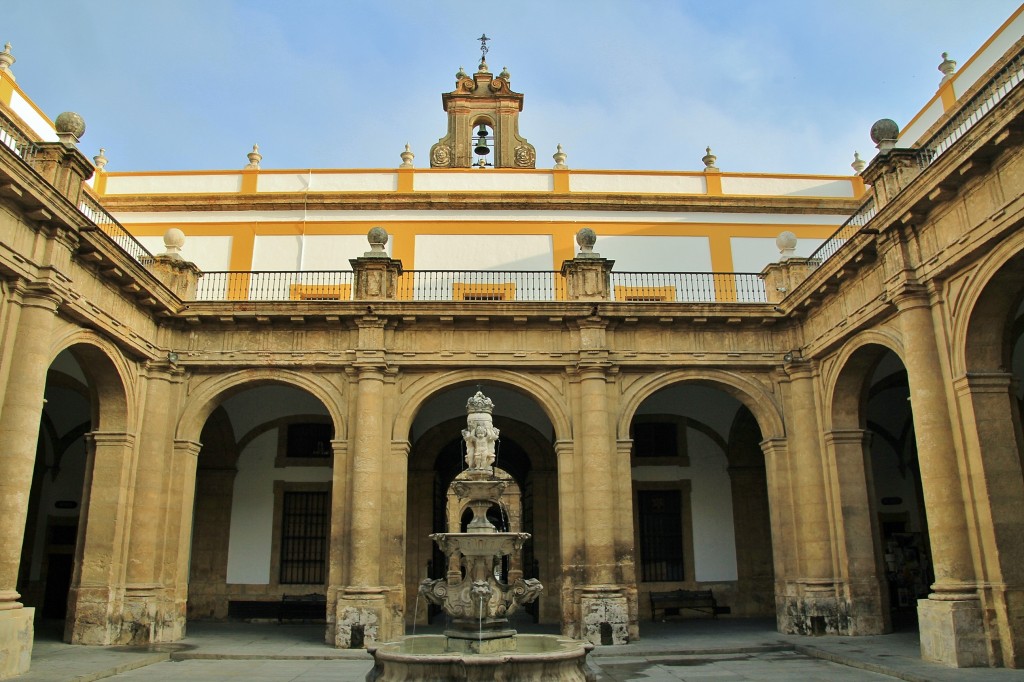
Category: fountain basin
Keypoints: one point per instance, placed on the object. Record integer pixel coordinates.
(537, 658)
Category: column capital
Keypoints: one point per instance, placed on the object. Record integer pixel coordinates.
(190, 447)
(984, 382)
(848, 437)
(909, 295)
(110, 438)
(800, 368)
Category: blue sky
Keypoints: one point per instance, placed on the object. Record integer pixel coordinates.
(772, 86)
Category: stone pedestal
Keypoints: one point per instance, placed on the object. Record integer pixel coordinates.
(362, 618)
(952, 632)
(604, 615)
(15, 642)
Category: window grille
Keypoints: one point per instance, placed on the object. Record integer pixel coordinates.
(305, 524)
(661, 535)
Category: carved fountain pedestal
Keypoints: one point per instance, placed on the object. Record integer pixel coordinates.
(479, 644)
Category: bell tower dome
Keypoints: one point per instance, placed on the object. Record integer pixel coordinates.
(483, 122)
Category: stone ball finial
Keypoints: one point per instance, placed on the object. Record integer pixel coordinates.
(70, 127)
(586, 238)
(6, 60)
(254, 158)
(100, 160)
(709, 160)
(559, 157)
(504, 73)
(947, 67)
(786, 241)
(884, 133)
(858, 164)
(378, 237)
(174, 239)
(407, 157)
(461, 73)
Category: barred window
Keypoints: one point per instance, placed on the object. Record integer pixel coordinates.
(661, 535)
(305, 524)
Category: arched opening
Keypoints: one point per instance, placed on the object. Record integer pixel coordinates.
(81, 452)
(482, 134)
(262, 515)
(876, 452)
(700, 501)
(525, 455)
(991, 395)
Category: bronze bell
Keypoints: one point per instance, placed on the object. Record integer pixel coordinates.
(481, 148)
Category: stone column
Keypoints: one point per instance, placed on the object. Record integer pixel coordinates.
(177, 540)
(337, 566)
(604, 613)
(816, 610)
(993, 449)
(362, 617)
(950, 618)
(97, 589)
(143, 604)
(784, 537)
(19, 434)
(860, 554)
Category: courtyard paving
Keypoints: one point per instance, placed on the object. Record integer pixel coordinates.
(693, 650)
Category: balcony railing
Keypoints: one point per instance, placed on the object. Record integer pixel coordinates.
(309, 285)
(15, 139)
(997, 88)
(481, 285)
(688, 287)
(113, 229)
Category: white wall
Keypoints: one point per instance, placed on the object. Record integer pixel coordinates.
(656, 254)
(252, 508)
(751, 254)
(484, 252)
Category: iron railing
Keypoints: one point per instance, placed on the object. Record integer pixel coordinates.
(12, 137)
(997, 88)
(15, 139)
(307, 285)
(92, 210)
(481, 285)
(689, 287)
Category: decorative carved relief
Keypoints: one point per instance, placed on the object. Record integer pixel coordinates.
(525, 156)
(441, 156)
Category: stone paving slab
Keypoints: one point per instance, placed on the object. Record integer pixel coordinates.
(689, 650)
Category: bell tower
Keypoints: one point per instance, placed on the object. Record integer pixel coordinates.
(483, 122)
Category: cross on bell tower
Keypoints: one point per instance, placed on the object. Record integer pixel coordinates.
(483, 122)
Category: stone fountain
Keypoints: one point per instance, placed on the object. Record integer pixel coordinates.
(479, 643)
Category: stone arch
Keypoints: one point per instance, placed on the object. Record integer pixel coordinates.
(212, 393)
(111, 378)
(543, 393)
(979, 333)
(845, 384)
(753, 395)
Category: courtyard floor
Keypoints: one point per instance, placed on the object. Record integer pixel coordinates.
(721, 650)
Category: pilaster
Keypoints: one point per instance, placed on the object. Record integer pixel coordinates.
(145, 605)
(860, 560)
(64, 167)
(813, 609)
(992, 433)
(97, 589)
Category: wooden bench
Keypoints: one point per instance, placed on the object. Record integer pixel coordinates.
(702, 601)
(303, 607)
